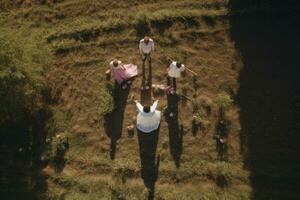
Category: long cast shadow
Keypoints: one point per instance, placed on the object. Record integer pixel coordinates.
(269, 87)
(175, 130)
(149, 161)
(148, 141)
(221, 137)
(146, 94)
(113, 122)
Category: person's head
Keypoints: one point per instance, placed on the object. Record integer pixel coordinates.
(146, 39)
(115, 63)
(146, 109)
(178, 64)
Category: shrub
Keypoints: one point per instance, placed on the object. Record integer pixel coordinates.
(224, 100)
(58, 132)
(22, 65)
(106, 102)
(199, 120)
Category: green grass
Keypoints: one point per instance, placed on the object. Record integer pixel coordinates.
(83, 29)
(89, 187)
(24, 59)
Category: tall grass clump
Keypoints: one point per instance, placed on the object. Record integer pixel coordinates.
(199, 122)
(58, 132)
(141, 23)
(84, 30)
(163, 19)
(223, 101)
(22, 82)
(106, 104)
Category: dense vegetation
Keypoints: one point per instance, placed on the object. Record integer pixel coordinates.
(21, 78)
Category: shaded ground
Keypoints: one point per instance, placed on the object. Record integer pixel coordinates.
(269, 87)
(175, 128)
(21, 158)
(114, 121)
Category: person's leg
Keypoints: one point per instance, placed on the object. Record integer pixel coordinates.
(149, 58)
(150, 70)
(168, 81)
(144, 57)
(174, 84)
(143, 69)
(171, 82)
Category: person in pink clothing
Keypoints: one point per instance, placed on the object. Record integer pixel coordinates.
(123, 72)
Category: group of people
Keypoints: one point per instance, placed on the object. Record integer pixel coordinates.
(148, 118)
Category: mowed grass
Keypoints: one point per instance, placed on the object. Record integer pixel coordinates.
(83, 43)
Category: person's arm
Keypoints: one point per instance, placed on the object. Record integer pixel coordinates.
(182, 68)
(153, 107)
(122, 67)
(152, 45)
(141, 47)
(139, 106)
(111, 63)
(169, 63)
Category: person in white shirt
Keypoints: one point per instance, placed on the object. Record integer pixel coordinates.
(146, 46)
(174, 71)
(148, 118)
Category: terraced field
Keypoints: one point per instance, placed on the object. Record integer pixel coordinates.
(102, 160)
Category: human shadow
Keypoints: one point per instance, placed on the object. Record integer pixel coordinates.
(268, 41)
(113, 122)
(221, 181)
(22, 146)
(142, 28)
(148, 141)
(146, 85)
(172, 83)
(149, 161)
(221, 137)
(175, 130)
(59, 158)
(162, 26)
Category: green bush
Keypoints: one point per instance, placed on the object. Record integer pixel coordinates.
(224, 100)
(199, 120)
(22, 65)
(106, 102)
(58, 131)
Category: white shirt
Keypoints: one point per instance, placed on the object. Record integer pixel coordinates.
(148, 122)
(112, 64)
(146, 48)
(174, 71)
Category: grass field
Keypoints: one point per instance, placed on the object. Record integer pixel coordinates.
(90, 154)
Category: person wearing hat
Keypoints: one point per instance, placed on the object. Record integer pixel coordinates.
(174, 71)
(146, 46)
(148, 118)
(123, 73)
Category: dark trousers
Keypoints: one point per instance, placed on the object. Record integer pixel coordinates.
(172, 82)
